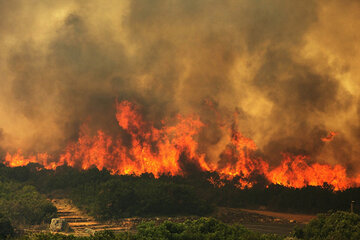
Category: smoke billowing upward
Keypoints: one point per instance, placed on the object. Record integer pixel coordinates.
(290, 70)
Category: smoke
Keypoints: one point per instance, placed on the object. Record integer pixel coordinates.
(290, 70)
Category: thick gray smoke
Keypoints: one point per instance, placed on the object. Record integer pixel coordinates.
(290, 69)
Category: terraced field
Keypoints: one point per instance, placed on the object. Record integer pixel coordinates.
(83, 224)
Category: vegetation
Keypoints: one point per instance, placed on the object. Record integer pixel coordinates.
(107, 196)
(110, 196)
(22, 204)
(330, 226)
(6, 229)
(140, 197)
(201, 229)
(337, 225)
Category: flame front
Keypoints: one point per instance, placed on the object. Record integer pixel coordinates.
(295, 172)
(163, 150)
(151, 150)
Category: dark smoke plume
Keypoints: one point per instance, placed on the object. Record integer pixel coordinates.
(289, 69)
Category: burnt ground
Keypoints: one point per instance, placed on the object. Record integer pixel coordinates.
(256, 220)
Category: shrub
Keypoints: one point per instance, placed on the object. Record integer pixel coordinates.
(50, 236)
(118, 198)
(338, 225)
(6, 228)
(203, 228)
(22, 204)
(196, 186)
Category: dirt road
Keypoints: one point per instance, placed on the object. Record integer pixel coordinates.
(300, 218)
(262, 221)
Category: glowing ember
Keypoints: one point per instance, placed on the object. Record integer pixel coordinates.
(329, 137)
(163, 150)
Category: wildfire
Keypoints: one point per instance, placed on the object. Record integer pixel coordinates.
(18, 159)
(295, 172)
(152, 150)
(165, 149)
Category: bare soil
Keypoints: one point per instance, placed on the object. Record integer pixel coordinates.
(299, 218)
(261, 220)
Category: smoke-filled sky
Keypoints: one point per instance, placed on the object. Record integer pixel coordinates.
(289, 69)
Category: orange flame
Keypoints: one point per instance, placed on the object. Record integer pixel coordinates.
(295, 172)
(161, 151)
(152, 150)
(17, 159)
(329, 137)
